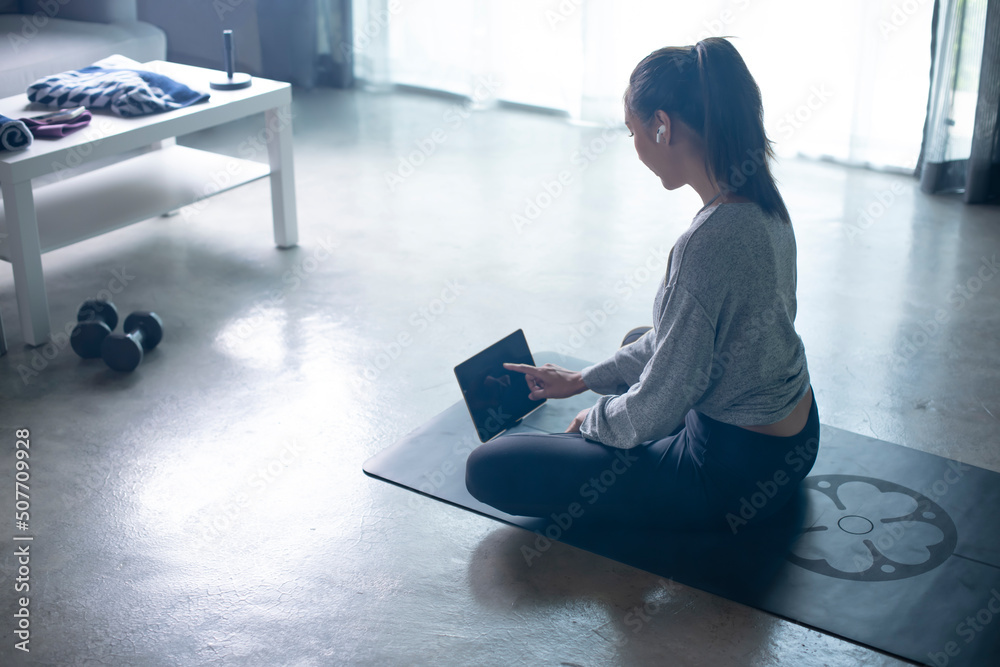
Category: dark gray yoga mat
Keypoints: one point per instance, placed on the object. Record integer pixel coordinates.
(886, 546)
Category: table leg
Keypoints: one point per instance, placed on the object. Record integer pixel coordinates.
(279, 153)
(26, 260)
(164, 143)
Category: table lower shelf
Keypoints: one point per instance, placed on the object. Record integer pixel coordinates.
(142, 187)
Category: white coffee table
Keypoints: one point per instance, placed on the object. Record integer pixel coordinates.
(48, 206)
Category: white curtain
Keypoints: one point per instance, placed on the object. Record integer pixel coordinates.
(846, 80)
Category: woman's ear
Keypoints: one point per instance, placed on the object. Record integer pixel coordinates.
(661, 127)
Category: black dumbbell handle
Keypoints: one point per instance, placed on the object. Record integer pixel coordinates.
(124, 352)
(148, 326)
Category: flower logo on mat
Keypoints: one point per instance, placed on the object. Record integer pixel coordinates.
(868, 529)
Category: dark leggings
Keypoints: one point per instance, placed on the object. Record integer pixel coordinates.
(705, 475)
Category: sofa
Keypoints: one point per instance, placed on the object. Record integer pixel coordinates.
(43, 37)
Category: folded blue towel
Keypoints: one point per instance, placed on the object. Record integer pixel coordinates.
(125, 92)
(14, 134)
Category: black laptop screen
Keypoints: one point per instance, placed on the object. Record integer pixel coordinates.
(497, 398)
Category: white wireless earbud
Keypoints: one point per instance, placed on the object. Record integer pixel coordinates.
(659, 132)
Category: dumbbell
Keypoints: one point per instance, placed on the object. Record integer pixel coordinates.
(95, 320)
(123, 352)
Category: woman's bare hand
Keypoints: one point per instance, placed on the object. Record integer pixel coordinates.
(550, 381)
(578, 421)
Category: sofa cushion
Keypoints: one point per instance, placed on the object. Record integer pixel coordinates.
(28, 52)
(98, 11)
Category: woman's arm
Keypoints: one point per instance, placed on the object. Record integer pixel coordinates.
(673, 380)
(617, 373)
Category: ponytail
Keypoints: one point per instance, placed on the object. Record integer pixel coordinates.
(709, 87)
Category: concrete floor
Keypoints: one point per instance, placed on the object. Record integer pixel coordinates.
(210, 508)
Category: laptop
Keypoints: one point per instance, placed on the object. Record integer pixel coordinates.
(496, 397)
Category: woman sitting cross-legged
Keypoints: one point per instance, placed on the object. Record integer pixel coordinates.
(707, 419)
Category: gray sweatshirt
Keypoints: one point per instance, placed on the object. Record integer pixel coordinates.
(723, 340)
